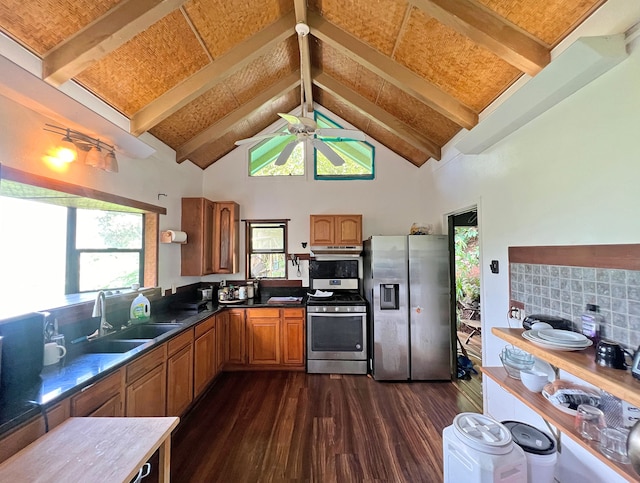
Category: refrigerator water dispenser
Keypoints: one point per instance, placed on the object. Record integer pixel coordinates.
(389, 299)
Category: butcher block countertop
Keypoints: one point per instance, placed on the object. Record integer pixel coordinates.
(93, 449)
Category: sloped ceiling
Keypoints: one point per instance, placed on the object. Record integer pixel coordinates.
(201, 74)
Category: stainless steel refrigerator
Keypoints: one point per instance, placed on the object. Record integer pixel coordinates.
(406, 282)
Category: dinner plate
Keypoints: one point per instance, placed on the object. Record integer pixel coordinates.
(534, 335)
(562, 336)
(551, 346)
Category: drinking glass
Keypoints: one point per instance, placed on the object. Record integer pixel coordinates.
(613, 444)
(589, 422)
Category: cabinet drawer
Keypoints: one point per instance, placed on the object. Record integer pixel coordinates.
(94, 396)
(177, 343)
(262, 313)
(293, 313)
(146, 363)
(205, 326)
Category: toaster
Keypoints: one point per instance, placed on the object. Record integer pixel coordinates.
(553, 321)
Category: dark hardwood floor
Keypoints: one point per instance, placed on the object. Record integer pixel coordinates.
(292, 426)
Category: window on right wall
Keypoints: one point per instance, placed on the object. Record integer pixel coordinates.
(359, 156)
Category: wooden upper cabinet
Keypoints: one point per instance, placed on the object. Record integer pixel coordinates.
(198, 219)
(212, 230)
(227, 240)
(348, 229)
(328, 230)
(322, 229)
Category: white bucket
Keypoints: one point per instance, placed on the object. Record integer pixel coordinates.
(478, 449)
(539, 449)
(541, 468)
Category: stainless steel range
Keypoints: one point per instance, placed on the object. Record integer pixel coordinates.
(336, 325)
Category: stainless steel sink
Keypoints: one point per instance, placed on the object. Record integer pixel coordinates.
(145, 331)
(112, 346)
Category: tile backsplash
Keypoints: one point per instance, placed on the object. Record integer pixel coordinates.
(564, 291)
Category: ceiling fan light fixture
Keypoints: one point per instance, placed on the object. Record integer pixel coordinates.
(302, 29)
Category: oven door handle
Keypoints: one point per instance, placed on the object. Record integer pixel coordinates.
(336, 314)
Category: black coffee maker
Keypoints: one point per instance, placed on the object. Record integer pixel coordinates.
(611, 354)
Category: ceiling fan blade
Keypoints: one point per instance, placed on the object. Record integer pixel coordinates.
(286, 152)
(290, 118)
(341, 133)
(328, 152)
(260, 137)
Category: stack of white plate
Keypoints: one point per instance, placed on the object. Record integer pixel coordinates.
(559, 340)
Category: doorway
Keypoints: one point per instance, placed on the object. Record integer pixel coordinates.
(464, 243)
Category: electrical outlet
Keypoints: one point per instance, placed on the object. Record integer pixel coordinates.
(514, 312)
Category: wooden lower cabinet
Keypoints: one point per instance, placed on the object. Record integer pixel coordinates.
(204, 365)
(180, 381)
(146, 379)
(222, 322)
(263, 334)
(26, 434)
(147, 395)
(111, 408)
(102, 398)
(293, 337)
(180, 373)
(235, 352)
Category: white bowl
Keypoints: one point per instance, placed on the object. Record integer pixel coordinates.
(533, 380)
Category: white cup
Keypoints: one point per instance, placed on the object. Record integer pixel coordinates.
(53, 353)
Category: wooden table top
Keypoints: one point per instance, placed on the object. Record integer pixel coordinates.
(90, 449)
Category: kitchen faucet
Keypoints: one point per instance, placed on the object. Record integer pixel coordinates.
(99, 310)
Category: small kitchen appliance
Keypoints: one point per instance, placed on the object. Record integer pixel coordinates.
(611, 354)
(635, 366)
(336, 323)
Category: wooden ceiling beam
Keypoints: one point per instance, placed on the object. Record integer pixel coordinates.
(227, 123)
(491, 31)
(214, 73)
(379, 115)
(103, 36)
(392, 72)
(300, 7)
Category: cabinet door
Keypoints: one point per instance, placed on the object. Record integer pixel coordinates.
(180, 381)
(293, 337)
(21, 438)
(146, 397)
(221, 338)
(264, 340)
(198, 218)
(204, 361)
(236, 332)
(95, 396)
(110, 409)
(322, 230)
(348, 230)
(226, 237)
(208, 247)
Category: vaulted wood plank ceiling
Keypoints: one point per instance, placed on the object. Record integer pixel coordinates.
(201, 74)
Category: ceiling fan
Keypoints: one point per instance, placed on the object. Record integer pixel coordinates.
(305, 128)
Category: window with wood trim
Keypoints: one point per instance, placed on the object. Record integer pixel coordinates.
(70, 242)
(266, 246)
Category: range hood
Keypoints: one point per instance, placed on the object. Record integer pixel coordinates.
(343, 250)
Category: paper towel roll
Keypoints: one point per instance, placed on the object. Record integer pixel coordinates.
(177, 236)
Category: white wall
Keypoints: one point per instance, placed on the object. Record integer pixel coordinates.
(399, 195)
(23, 143)
(569, 177)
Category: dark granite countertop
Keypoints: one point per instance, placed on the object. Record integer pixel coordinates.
(22, 402)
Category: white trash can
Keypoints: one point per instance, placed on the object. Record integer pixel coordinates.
(539, 448)
(476, 448)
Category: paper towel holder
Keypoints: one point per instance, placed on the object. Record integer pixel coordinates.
(166, 236)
